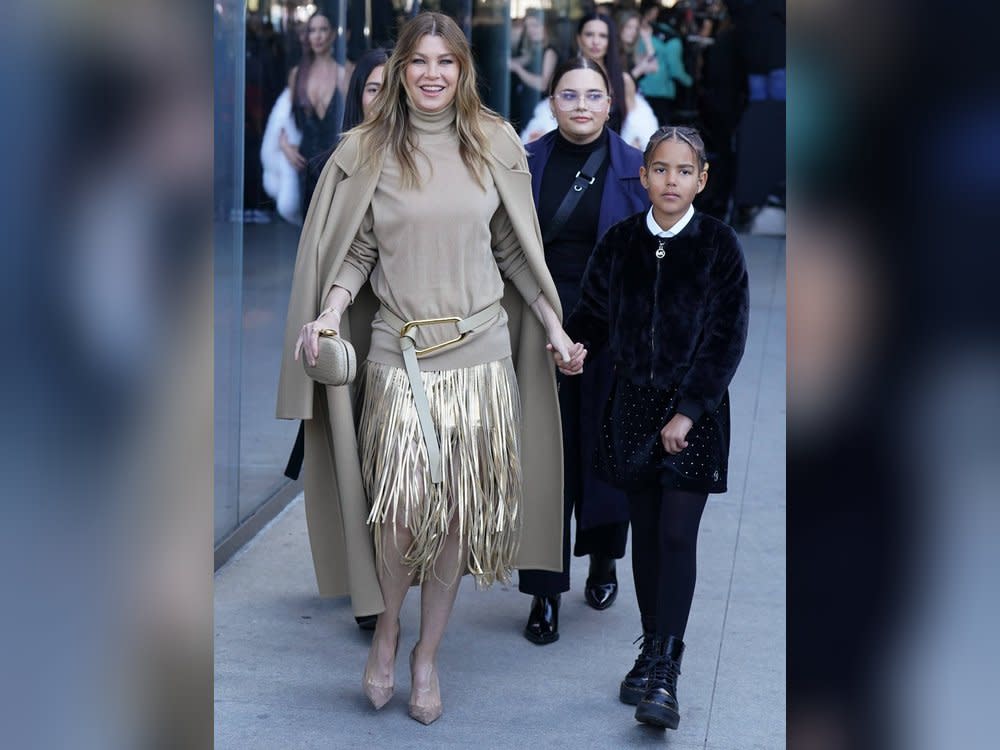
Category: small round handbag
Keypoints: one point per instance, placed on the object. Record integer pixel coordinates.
(337, 364)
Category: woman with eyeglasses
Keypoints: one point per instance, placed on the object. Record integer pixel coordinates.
(630, 116)
(584, 178)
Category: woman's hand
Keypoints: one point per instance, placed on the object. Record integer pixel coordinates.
(674, 434)
(569, 356)
(645, 66)
(308, 340)
(572, 364)
(297, 160)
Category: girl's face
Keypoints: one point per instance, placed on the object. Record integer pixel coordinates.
(630, 30)
(373, 84)
(580, 123)
(672, 180)
(320, 35)
(431, 75)
(534, 30)
(593, 39)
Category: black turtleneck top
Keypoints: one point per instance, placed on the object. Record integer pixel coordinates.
(567, 254)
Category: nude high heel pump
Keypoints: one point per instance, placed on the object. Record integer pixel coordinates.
(378, 693)
(425, 703)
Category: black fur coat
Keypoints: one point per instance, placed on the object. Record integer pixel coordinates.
(677, 321)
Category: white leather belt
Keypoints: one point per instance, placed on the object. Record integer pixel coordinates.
(407, 343)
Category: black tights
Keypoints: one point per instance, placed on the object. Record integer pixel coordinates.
(664, 551)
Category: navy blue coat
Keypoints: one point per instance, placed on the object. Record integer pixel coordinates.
(623, 193)
(599, 503)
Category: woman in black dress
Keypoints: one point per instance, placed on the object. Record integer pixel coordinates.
(317, 84)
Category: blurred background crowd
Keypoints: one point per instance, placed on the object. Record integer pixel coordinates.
(716, 65)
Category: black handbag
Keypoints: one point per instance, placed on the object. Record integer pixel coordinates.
(630, 453)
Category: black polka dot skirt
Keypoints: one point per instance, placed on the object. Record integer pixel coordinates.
(630, 453)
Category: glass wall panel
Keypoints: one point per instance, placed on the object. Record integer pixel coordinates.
(228, 52)
(491, 47)
(280, 39)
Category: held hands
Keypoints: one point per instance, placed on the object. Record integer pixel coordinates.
(569, 357)
(308, 340)
(674, 434)
(572, 364)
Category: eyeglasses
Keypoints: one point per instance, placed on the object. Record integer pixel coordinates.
(592, 100)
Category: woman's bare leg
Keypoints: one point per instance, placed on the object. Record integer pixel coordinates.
(437, 598)
(395, 580)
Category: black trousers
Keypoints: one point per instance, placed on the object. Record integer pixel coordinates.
(664, 555)
(607, 540)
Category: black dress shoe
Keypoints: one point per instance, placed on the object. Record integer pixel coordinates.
(367, 622)
(659, 705)
(636, 682)
(602, 583)
(543, 621)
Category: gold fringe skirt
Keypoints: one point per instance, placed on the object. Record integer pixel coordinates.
(476, 414)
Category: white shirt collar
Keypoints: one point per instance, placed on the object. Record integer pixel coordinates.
(657, 231)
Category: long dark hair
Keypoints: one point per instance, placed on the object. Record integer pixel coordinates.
(612, 60)
(353, 113)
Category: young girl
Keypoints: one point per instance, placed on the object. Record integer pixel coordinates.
(666, 290)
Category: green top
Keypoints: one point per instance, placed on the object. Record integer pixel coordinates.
(668, 55)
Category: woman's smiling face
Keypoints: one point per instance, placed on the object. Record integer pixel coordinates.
(431, 76)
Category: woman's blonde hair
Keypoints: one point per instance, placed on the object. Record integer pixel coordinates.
(389, 127)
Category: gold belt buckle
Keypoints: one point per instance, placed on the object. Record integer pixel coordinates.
(409, 325)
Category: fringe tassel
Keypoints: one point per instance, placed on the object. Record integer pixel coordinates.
(476, 413)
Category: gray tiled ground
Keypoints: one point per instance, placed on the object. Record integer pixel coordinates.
(288, 664)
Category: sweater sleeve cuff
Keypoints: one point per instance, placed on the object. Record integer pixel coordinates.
(351, 279)
(690, 409)
(525, 283)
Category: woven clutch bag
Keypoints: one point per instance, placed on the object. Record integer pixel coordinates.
(336, 364)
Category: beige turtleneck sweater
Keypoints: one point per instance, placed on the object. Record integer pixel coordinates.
(437, 250)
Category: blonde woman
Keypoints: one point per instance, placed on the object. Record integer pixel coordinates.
(423, 213)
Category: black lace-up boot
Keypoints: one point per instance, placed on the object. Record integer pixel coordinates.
(658, 705)
(637, 680)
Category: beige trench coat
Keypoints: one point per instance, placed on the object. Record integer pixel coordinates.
(336, 506)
